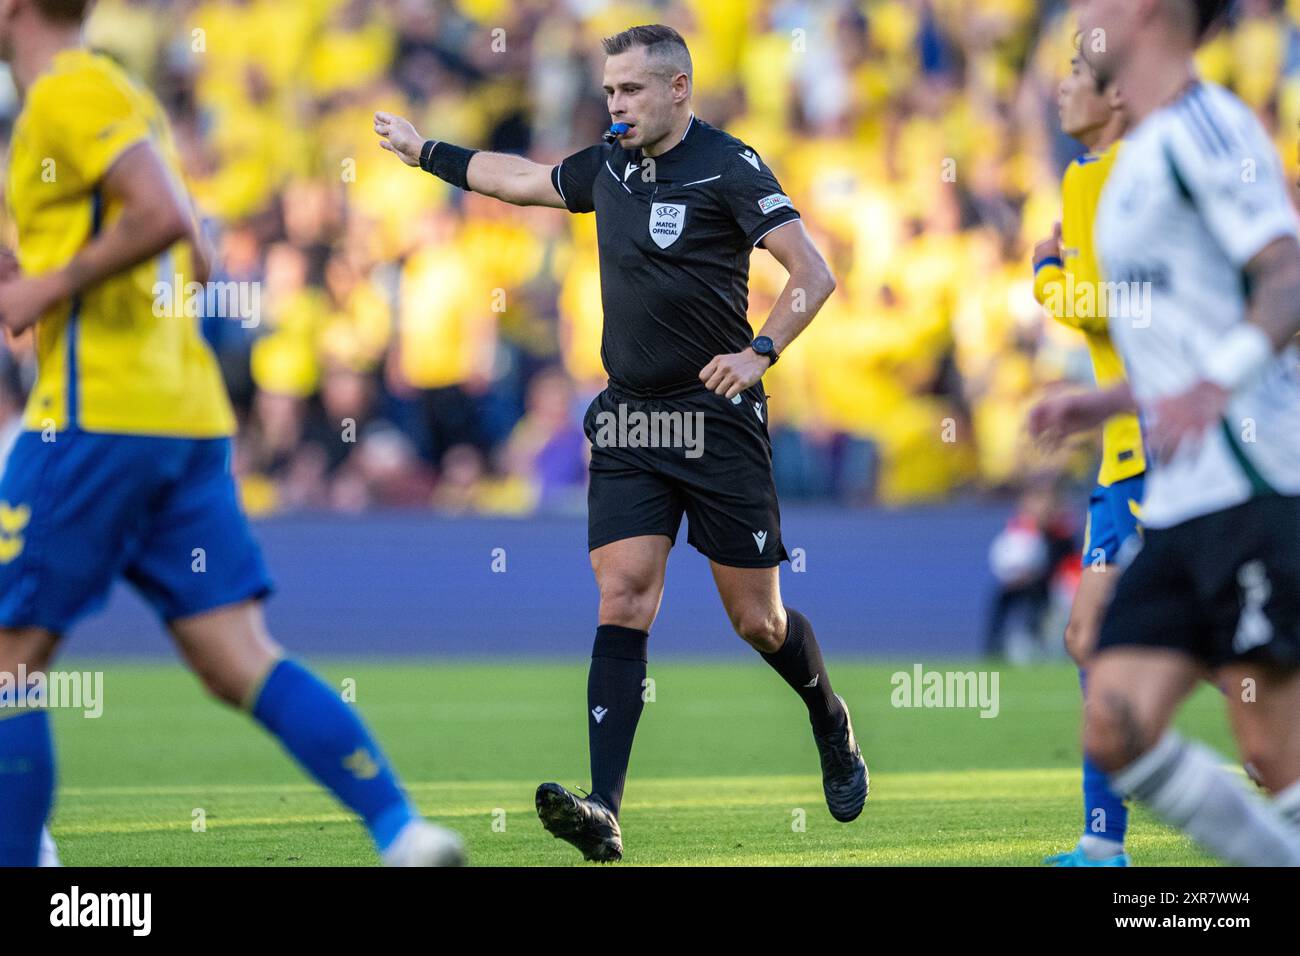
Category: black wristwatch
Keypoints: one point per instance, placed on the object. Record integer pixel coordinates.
(765, 347)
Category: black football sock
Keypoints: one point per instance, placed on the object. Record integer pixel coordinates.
(799, 661)
(614, 703)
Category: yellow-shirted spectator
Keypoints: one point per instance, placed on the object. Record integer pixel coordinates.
(1258, 49)
(132, 32)
(284, 358)
(256, 156)
(505, 252)
(1214, 60)
(228, 36)
(766, 70)
(894, 27)
(843, 188)
(484, 11)
(446, 323)
(723, 28)
(357, 325)
(354, 50)
(581, 311)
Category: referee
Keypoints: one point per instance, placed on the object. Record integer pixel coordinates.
(679, 205)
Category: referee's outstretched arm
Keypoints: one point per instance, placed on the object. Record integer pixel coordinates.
(511, 179)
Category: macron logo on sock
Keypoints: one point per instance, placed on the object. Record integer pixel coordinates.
(599, 712)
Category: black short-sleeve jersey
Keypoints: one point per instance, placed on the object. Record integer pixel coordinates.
(675, 233)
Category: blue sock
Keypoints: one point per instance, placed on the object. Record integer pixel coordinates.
(329, 740)
(26, 785)
(1104, 813)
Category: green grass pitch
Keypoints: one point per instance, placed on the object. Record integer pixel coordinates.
(723, 772)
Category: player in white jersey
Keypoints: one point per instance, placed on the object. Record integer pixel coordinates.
(1198, 242)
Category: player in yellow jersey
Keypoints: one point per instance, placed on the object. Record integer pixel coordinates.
(123, 469)
(1068, 283)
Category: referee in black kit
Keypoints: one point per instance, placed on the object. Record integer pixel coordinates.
(679, 205)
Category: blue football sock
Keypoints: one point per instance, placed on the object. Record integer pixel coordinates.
(1104, 813)
(26, 784)
(329, 740)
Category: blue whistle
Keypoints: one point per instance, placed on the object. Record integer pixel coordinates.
(614, 132)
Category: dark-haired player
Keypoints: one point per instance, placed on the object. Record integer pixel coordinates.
(1068, 283)
(679, 206)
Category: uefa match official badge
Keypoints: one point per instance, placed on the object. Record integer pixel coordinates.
(666, 221)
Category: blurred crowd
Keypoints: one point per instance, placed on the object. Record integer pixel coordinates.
(419, 346)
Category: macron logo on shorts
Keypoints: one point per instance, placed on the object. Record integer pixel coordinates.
(599, 712)
(760, 539)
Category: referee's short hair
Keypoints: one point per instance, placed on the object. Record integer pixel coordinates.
(663, 44)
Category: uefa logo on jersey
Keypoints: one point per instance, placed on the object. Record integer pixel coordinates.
(666, 220)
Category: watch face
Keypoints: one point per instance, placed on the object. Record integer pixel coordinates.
(762, 345)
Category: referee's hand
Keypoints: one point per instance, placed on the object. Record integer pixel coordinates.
(729, 375)
(399, 137)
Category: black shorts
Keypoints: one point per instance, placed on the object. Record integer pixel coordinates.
(698, 454)
(1222, 588)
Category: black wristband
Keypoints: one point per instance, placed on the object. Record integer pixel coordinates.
(449, 163)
